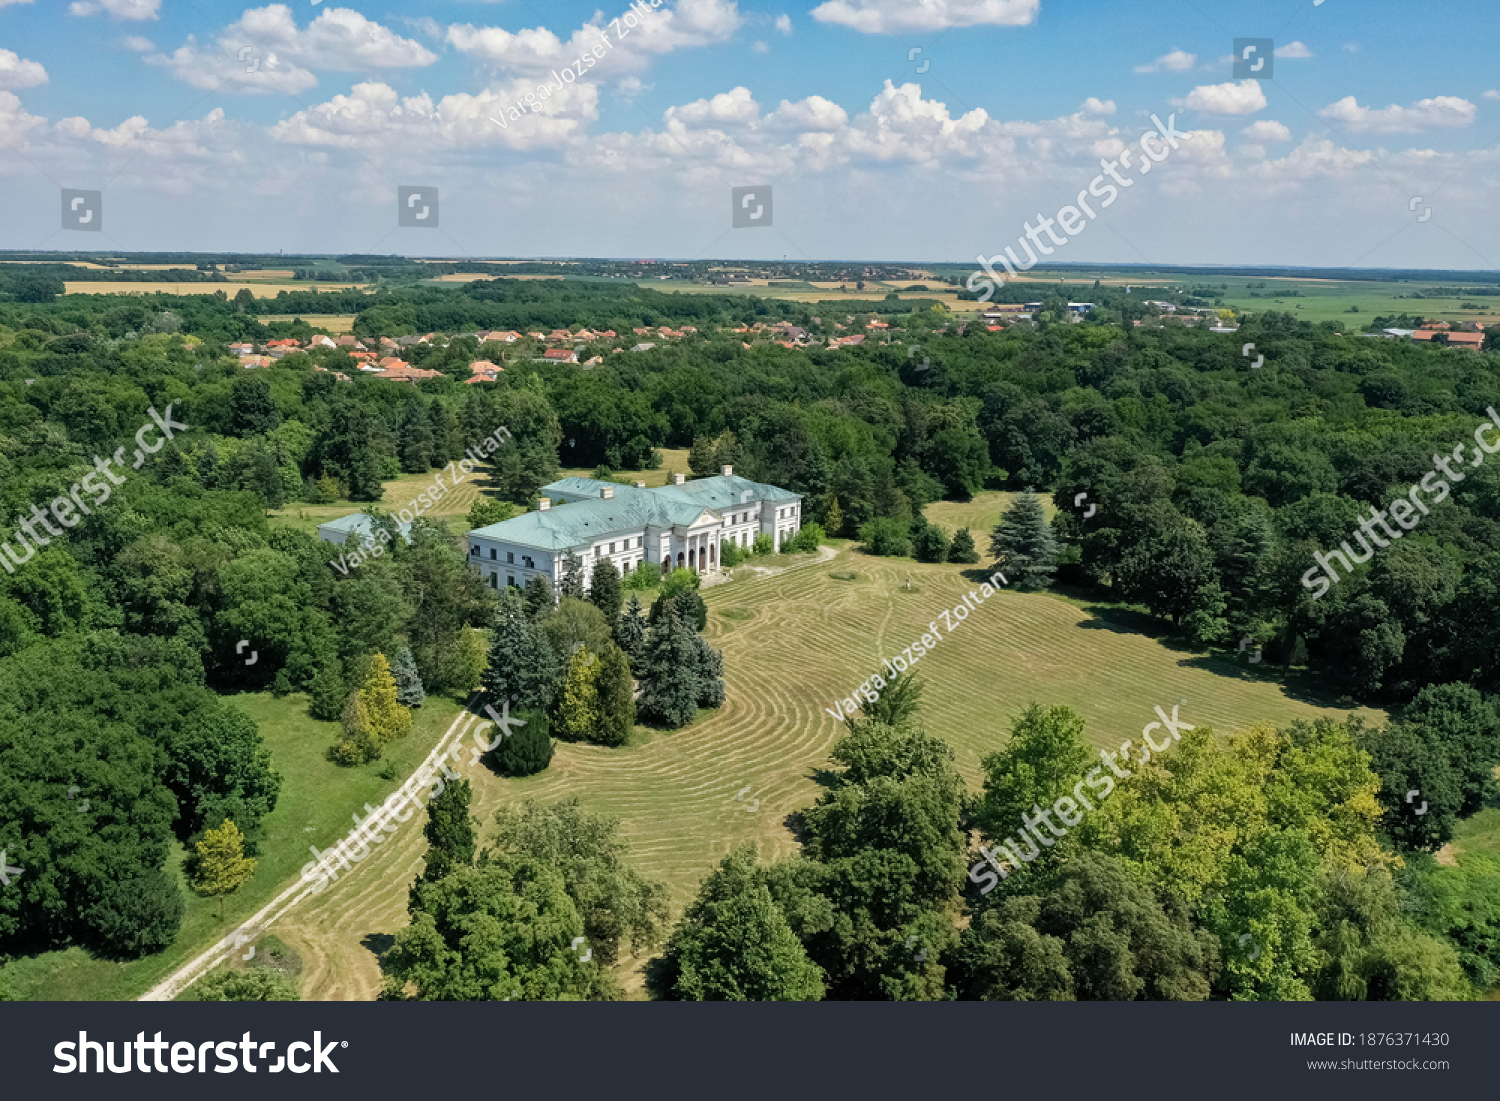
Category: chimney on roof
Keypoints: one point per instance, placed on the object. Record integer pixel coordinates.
(544, 504)
(727, 471)
(607, 492)
(678, 479)
(639, 485)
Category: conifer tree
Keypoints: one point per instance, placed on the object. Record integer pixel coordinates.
(669, 670)
(539, 598)
(409, 688)
(522, 667)
(630, 630)
(702, 458)
(527, 749)
(963, 550)
(833, 521)
(1023, 545)
(616, 693)
(327, 691)
(387, 720)
(571, 582)
(604, 589)
(450, 835)
(576, 713)
(710, 674)
(222, 865)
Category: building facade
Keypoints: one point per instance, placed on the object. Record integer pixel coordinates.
(685, 523)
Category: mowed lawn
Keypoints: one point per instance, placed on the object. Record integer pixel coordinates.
(792, 643)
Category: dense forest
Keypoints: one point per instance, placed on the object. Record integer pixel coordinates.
(1215, 483)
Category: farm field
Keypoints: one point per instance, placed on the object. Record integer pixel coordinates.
(259, 290)
(336, 324)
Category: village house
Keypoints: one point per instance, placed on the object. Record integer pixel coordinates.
(682, 524)
(560, 355)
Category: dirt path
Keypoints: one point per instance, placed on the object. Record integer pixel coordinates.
(190, 972)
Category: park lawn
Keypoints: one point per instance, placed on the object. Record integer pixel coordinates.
(979, 515)
(316, 801)
(792, 643)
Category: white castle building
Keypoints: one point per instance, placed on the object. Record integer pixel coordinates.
(680, 524)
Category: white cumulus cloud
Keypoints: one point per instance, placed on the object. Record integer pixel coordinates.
(732, 108)
(784, 24)
(1266, 130)
(1440, 112)
(1242, 98)
(265, 51)
(1293, 50)
(891, 16)
(17, 72)
(1174, 62)
(1095, 106)
(537, 51)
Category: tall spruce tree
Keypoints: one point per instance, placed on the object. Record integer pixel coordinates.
(1023, 545)
(408, 681)
(669, 670)
(522, 667)
(710, 674)
(571, 581)
(616, 694)
(630, 630)
(604, 589)
(539, 598)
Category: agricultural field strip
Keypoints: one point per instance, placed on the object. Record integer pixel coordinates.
(193, 970)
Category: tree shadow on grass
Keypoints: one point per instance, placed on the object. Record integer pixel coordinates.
(378, 943)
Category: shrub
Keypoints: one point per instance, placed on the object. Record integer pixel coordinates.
(764, 545)
(886, 537)
(528, 749)
(931, 544)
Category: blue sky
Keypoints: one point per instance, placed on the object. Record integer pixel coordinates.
(872, 152)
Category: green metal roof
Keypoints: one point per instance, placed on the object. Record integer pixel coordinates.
(720, 492)
(588, 517)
